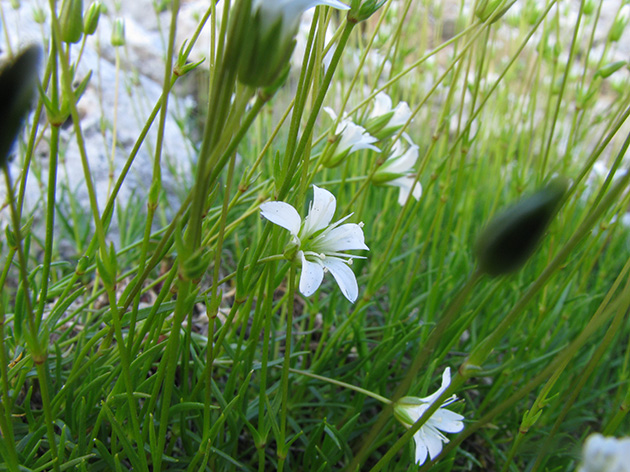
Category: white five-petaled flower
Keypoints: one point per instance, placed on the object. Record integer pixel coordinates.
(320, 243)
(397, 170)
(350, 138)
(383, 119)
(429, 437)
(602, 454)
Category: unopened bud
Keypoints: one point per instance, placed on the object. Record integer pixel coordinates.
(93, 14)
(17, 86)
(620, 23)
(71, 20)
(512, 236)
(118, 32)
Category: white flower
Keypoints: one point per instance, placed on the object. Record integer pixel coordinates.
(429, 438)
(603, 454)
(397, 170)
(350, 138)
(320, 243)
(385, 120)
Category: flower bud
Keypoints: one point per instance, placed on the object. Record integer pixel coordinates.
(269, 38)
(589, 7)
(39, 16)
(620, 23)
(18, 82)
(512, 236)
(93, 14)
(71, 20)
(362, 10)
(486, 8)
(118, 32)
(609, 69)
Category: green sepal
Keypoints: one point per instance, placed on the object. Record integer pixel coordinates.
(377, 123)
(381, 178)
(512, 236)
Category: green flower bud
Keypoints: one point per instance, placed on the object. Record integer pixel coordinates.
(362, 10)
(118, 32)
(39, 16)
(609, 69)
(15, 4)
(71, 20)
(93, 14)
(620, 23)
(589, 7)
(512, 236)
(486, 8)
(18, 81)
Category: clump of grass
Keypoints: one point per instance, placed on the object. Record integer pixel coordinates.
(138, 334)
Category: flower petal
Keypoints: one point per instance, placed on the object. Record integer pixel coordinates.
(446, 381)
(421, 449)
(311, 277)
(433, 442)
(405, 183)
(282, 214)
(320, 213)
(447, 421)
(343, 238)
(344, 276)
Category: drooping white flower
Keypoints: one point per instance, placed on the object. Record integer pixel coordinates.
(270, 38)
(383, 119)
(320, 243)
(397, 170)
(429, 437)
(350, 138)
(602, 454)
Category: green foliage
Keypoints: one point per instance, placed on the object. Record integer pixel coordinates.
(143, 334)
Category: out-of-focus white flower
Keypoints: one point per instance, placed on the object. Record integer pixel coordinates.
(270, 38)
(319, 243)
(429, 437)
(397, 170)
(385, 120)
(350, 138)
(601, 454)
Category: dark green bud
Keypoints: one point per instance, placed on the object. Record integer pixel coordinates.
(18, 82)
(71, 20)
(512, 236)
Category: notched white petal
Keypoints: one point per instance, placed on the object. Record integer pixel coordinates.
(282, 214)
(311, 276)
(345, 237)
(344, 276)
(321, 212)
